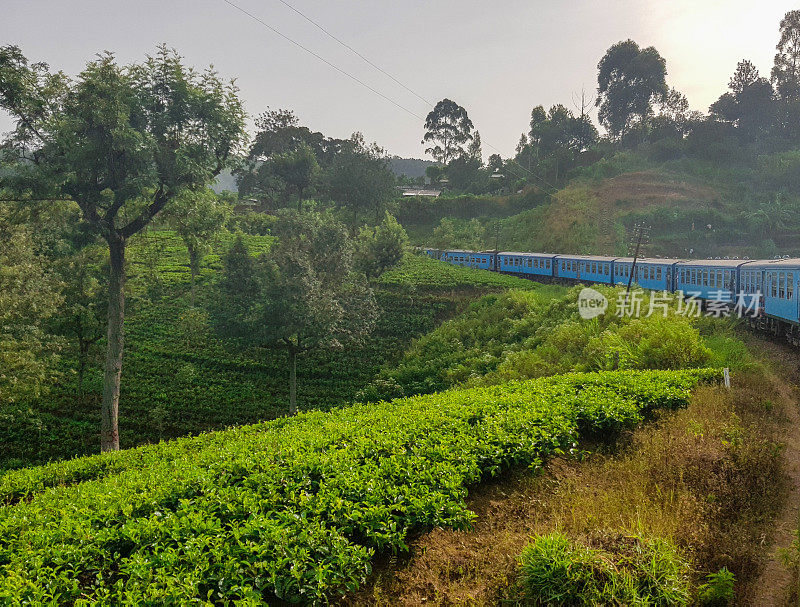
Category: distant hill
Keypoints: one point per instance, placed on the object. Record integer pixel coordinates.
(411, 167)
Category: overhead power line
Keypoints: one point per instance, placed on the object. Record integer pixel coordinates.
(354, 51)
(358, 80)
(321, 58)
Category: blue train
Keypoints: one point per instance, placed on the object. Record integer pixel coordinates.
(769, 289)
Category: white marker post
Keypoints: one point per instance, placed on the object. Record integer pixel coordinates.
(726, 375)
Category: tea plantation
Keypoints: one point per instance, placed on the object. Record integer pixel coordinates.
(293, 509)
(179, 378)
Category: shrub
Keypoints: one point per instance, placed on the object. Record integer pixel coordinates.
(718, 590)
(553, 570)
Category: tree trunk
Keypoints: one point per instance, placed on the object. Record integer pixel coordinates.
(193, 271)
(83, 348)
(292, 382)
(109, 412)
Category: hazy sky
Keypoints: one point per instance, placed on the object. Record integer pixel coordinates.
(497, 59)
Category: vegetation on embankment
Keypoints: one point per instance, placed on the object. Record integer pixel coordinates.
(220, 517)
(705, 481)
(518, 335)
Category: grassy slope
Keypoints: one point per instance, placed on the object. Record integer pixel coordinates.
(179, 379)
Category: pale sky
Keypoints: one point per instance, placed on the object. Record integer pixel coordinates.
(497, 59)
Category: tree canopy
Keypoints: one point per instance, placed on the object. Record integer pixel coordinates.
(122, 142)
(629, 81)
(447, 129)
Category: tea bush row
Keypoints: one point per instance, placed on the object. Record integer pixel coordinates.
(295, 508)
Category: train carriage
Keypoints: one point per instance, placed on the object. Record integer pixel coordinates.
(770, 289)
(483, 260)
(710, 279)
(584, 267)
(534, 264)
(778, 282)
(655, 274)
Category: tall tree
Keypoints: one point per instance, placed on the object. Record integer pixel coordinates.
(197, 217)
(745, 75)
(297, 169)
(122, 142)
(359, 178)
(475, 150)
(448, 128)
(629, 80)
(749, 104)
(303, 295)
(786, 70)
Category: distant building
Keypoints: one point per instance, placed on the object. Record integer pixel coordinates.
(406, 191)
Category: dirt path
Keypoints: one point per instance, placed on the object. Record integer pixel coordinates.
(775, 584)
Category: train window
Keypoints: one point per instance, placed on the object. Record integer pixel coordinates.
(719, 278)
(774, 282)
(705, 278)
(782, 285)
(658, 274)
(790, 286)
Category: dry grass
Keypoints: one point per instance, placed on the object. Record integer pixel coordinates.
(708, 478)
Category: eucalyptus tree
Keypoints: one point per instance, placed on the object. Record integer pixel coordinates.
(123, 142)
(447, 128)
(630, 80)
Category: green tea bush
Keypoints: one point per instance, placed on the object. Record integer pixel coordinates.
(553, 570)
(291, 509)
(420, 271)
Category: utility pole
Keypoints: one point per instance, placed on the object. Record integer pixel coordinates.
(641, 235)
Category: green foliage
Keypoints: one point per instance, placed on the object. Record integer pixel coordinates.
(518, 335)
(422, 272)
(359, 178)
(459, 234)
(198, 217)
(380, 248)
(630, 571)
(234, 384)
(30, 294)
(291, 509)
(718, 591)
(303, 295)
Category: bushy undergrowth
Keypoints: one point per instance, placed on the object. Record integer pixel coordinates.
(294, 508)
(616, 570)
(517, 335)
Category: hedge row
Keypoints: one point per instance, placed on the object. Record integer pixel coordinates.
(291, 509)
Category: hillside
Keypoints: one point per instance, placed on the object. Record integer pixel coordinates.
(595, 210)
